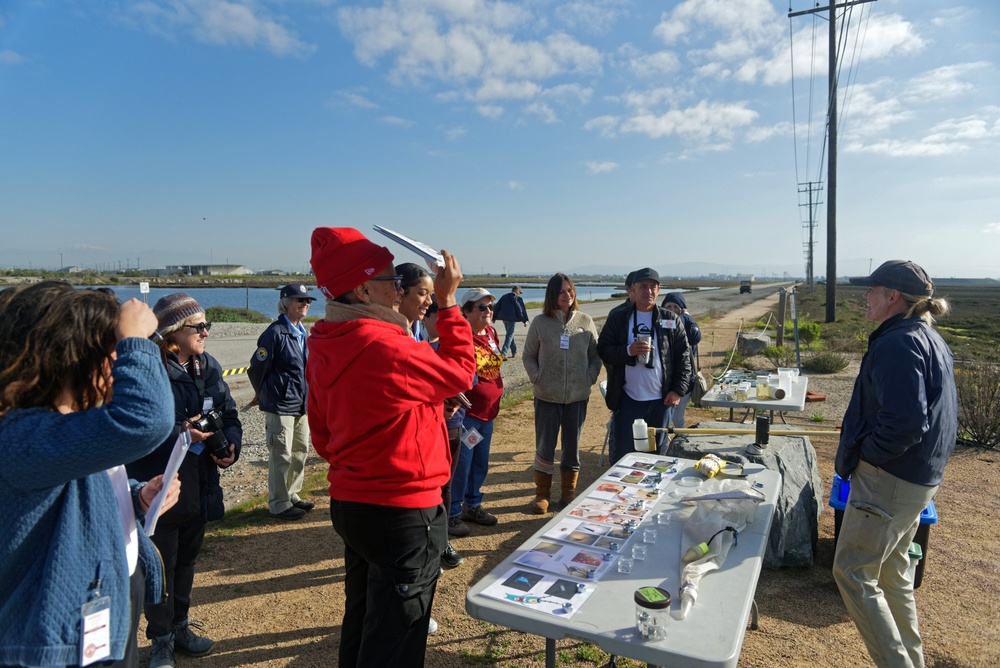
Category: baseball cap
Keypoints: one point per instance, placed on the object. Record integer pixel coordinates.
(296, 290)
(645, 274)
(904, 275)
(474, 295)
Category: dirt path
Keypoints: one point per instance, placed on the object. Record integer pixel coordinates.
(272, 594)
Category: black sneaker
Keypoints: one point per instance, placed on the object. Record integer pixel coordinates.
(289, 513)
(478, 515)
(456, 527)
(450, 557)
(304, 505)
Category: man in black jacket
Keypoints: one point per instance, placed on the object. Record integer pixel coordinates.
(278, 375)
(649, 364)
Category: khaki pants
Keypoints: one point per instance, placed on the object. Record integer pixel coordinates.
(872, 561)
(288, 445)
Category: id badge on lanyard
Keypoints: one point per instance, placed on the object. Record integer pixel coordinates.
(95, 630)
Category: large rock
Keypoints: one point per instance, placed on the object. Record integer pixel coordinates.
(749, 344)
(795, 527)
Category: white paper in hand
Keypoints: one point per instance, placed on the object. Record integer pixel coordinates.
(180, 449)
(431, 256)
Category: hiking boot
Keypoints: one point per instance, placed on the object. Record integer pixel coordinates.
(450, 557)
(188, 642)
(162, 653)
(456, 527)
(478, 515)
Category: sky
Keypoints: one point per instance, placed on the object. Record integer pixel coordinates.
(525, 137)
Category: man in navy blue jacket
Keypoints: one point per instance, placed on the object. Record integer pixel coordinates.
(278, 375)
(897, 436)
(510, 309)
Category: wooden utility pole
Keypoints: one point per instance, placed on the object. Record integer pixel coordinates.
(831, 165)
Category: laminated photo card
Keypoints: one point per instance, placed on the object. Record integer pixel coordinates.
(567, 560)
(540, 592)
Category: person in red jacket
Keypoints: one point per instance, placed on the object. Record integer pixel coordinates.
(376, 416)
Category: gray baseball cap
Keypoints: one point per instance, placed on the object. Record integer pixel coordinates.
(904, 275)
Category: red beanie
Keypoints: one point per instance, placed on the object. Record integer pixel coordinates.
(342, 259)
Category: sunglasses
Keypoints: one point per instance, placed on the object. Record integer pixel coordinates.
(202, 327)
(397, 280)
(484, 307)
(303, 300)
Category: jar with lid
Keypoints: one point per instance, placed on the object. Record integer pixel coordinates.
(652, 611)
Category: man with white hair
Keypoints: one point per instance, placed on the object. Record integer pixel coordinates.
(278, 375)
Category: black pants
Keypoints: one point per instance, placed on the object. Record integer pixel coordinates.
(179, 544)
(392, 558)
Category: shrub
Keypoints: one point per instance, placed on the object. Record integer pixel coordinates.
(978, 385)
(779, 356)
(826, 363)
(226, 314)
(808, 332)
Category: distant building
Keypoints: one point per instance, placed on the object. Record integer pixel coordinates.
(207, 269)
(272, 272)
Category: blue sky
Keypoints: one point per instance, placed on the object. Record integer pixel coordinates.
(535, 136)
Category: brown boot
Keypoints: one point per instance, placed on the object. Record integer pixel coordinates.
(543, 488)
(568, 480)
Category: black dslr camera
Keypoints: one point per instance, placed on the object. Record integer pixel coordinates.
(217, 444)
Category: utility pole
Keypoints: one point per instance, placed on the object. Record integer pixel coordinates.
(810, 188)
(831, 165)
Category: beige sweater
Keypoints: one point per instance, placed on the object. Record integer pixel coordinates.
(562, 376)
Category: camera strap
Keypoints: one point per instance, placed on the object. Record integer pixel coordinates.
(198, 376)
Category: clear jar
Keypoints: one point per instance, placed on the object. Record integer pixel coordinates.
(652, 611)
(763, 389)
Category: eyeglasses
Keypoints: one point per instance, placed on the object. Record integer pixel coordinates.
(202, 327)
(303, 300)
(397, 280)
(484, 307)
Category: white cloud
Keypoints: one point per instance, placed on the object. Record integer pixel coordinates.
(599, 167)
(654, 64)
(543, 111)
(921, 148)
(944, 82)
(516, 186)
(491, 111)
(465, 42)
(356, 99)
(593, 16)
(606, 126)
(454, 134)
(397, 121)
(759, 134)
(8, 57)
(706, 121)
(218, 22)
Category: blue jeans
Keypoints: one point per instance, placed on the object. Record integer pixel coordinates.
(473, 464)
(653, 412)
(509, 345)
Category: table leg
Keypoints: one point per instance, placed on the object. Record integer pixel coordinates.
(550, 653)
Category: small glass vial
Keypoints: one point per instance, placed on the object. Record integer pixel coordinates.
(741, 391)
(763, 389)
(652, 610)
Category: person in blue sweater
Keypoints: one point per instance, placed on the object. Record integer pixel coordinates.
(67, 509)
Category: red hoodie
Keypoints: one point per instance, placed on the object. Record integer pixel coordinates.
(375, 406)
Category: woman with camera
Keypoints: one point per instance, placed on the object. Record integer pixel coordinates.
(72, 552)
(204, 406)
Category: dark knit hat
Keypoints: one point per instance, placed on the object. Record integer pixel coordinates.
(175, 308)
(343, 258)
(675, 298)
(904, 275)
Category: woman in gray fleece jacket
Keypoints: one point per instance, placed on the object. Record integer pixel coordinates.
(560, 356)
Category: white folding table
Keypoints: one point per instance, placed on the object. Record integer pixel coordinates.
(712, 634)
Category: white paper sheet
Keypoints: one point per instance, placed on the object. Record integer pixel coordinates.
(177, 454)
(433, 258)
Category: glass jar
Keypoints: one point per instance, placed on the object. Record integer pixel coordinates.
(652, 611)
(763, 389)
